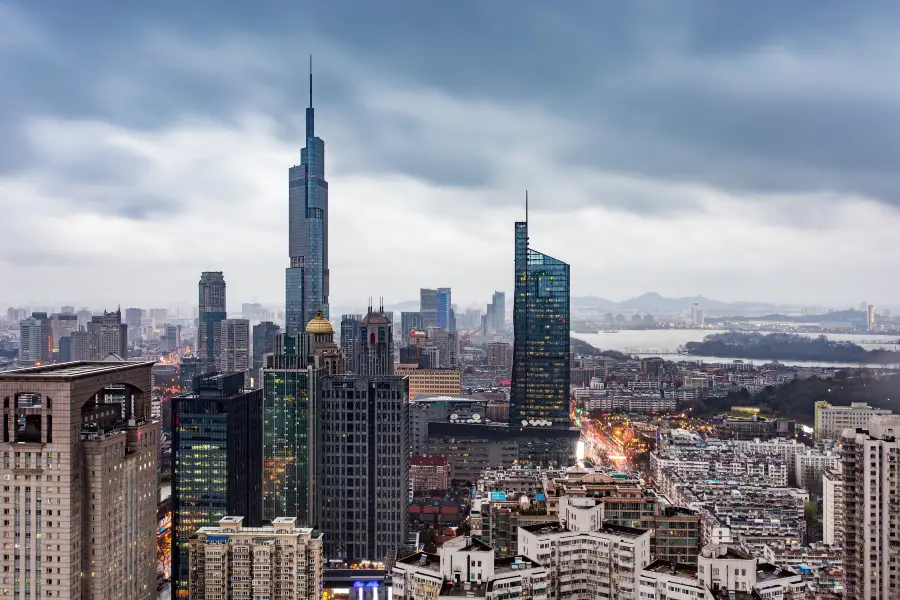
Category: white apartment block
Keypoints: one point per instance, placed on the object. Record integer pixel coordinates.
(276, 562)
(871, 486)
(724, 569)
(831, 421)
(833, 507)
(234, 355)
(811, 464)
(663, 580)
(466, 567)
(586, 565)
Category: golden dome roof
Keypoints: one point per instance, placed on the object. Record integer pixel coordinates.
(319, 324)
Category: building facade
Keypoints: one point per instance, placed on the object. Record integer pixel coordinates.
(217, 444)
(540, 376)
(833, 507)
(211, 312)
(279, 561)
(409, 322)
(31, 342)
(263, 342)
(351, 341)
(429, 473)
(432, 382)
(80, 468)
(306, 278)
(234, 356)
(831, 421)
(871, 487)
(363, 466)
(376, 345)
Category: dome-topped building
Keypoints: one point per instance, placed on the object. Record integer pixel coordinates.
(319, 325)
(323, 350)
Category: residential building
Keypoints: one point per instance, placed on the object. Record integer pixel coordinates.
(584, 565)
(499, 354)
(280, 561)
(78, 345)
(870, 317)
(217, 442)
(376, 344)
(668, 580)
(363, 465)
(833, 507)
(831, 421)
(80, 454)
(234, 356)
(540, 379)
(62, 325)
(307, 276)
(871, 486)
(409, 322)
(133, 318)
(429, 473)
(467, 568)
(697, 315)
(263, 342)
(725, 569)
(212, 311)
(674, 534)
(109, 335)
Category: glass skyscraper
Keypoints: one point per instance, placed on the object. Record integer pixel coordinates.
(540, 377)
(306, 279)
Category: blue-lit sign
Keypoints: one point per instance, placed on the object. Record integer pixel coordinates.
(501, 496)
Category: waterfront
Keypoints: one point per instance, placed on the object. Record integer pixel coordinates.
(660, 340)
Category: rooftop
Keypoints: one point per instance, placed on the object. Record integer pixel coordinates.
(463, 590)
(422, 559)
(513, 563)
(72, 370)
(766, 572)
(665, 566)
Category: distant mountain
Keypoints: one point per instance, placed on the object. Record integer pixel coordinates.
(655, 303)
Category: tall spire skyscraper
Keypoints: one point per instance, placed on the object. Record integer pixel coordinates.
(306, 279)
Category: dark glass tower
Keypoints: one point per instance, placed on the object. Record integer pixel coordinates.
(306, 279)
(540, 377)
(217, 457)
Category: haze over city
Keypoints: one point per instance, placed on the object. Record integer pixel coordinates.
(742, 153)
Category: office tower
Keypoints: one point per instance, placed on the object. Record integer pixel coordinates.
(279, 561)
(498, 311)
(235, 351)
(870, 317)
(306, 279)
(428, 307)
(447, 344)
(78, 345)
(432, 382)
(263, 342)
(84, 317)
(351, 341)
(363, 466)
(696, 314)
(109, 335)
(80, 475)
(831, 421)
(31, 341)
(133, 318)
(170, 339)
(376, 350)
(409, 322)
(46, 335)
(217, 461)
(871, 474)
(540, 376)
(444, 308)
(211, 313)
(62, 325)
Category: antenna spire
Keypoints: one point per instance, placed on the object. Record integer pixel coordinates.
(310, 80)
(526, 207)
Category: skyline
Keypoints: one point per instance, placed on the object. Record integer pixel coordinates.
(661, 168)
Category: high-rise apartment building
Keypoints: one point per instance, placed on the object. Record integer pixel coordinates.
(831, 421)
(217, 458)
(78, 345)
(833, 507)
(80, 474)
(351, 341)
(263, 342)
(409, 322)
(498, 311)
(306, 279)
(871, 487)
(109, 335)
(697, 317)
(211, 312)
(234, 356)
(279, 561)
(363, 466)
(540, 376)
(46, 335)
(376, 347)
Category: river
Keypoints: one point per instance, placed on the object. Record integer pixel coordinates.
(651, 342)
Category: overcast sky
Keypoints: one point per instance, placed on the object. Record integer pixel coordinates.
(739, 150)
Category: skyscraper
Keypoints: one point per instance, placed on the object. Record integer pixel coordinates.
(235, 353)
(306, 279)
(871, 489)
(217, 458)
(263, 342)
(83, 497)
(428, 307)
(445, 309)
(351, 341)
(409, 322)
(363, 466)
(376, 344)
(46, 335)
(540, 377)
(211, 312)
(109, 335)
(31, 341)
(133, 318)
(498, 311)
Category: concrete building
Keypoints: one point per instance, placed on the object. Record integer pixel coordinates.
(697, 317)
(871, 486)
(431, 382)
(234, 355)
(376, 344)
(467, 568)
(584, 565)
(870, 317)
(429, 473)
(833, 507)
(62, 325)
(109, 334)
(726, 569)
(668, 580)
(351, 341)
(409, 322)
(831, 421)
(279, 561)
(31, 342)
(363, 465)
(212, 310)
(674, 534)
(498, 311)
(500, 354)
(83, 460)
(263, 342)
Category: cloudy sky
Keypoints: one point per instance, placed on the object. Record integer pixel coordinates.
(732, 149)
